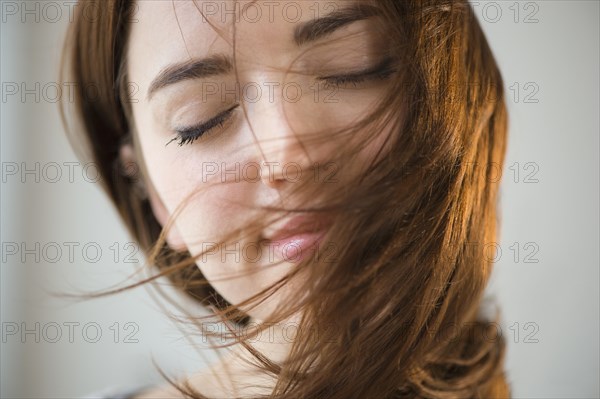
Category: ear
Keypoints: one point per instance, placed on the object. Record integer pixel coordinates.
(133, 168)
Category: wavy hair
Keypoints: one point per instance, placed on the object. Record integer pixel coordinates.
(402, 300)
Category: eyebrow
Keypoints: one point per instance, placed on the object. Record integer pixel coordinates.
(318, 28)
(220, 64)
(216, 64)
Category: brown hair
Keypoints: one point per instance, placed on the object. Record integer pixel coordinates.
(404, 291)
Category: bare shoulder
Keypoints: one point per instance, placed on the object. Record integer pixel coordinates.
(158, 392)
(215, 381)
(201, 383)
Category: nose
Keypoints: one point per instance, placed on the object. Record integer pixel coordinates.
(285, 156)
(284, 162)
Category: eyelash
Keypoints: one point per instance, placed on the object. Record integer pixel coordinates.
(381, 72)
(190, 134)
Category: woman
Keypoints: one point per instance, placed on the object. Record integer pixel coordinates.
(322, 171)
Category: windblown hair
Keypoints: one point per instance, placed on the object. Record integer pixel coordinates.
(404, 292)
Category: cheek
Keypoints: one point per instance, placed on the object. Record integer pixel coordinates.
(199, 207)
(378, 145)
(204, 210)
(210, 214)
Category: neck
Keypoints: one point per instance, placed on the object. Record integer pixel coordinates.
(236, 374)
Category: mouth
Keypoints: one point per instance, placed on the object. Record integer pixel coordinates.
(298, 237)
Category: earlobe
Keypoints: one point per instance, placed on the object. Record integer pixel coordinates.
(145, 190)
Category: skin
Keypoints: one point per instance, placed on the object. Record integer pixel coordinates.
(264, 50)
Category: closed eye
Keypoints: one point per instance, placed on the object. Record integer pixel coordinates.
(379, 72)
(188, 135)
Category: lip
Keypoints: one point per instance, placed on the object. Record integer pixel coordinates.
(301, 224)
(299, 237)
(297, 247)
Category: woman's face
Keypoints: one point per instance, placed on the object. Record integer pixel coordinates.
(182, 81)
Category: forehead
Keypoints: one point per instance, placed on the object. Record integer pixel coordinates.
(214, 18)
(167, 31)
